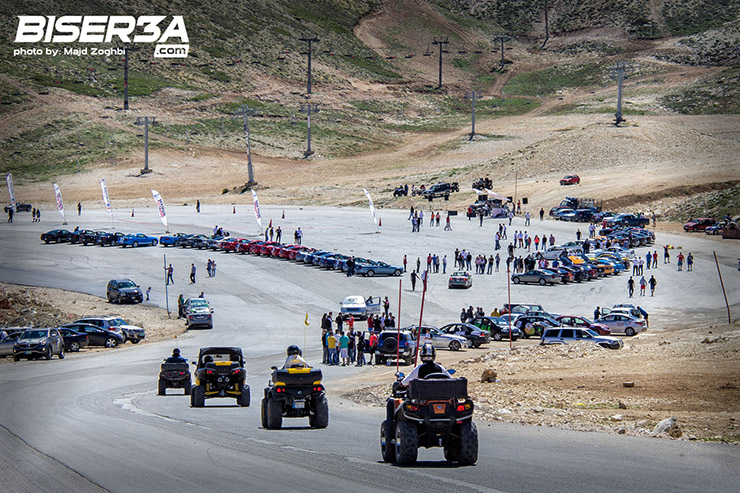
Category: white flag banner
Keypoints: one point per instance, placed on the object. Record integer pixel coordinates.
(372, 206)
(257, 214)
(60, 204)
(106, 199)
(160, 206)
(11, 192)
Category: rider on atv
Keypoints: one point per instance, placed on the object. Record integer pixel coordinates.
(427, 366)
(176, 358)
(295, 358)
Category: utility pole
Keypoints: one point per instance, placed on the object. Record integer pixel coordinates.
(503, 38)
(309, 40)
(245, 111)
(146, 121)
(472, 95)
(619, 72)
(441, 42)
(126, 49)
(547, 27)
(308, 109)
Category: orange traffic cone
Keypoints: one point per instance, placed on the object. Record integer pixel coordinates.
(234, 211)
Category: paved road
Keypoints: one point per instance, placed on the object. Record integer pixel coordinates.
(94, 421)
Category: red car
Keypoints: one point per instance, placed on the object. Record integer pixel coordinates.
(699, 224)
(243, 246)
(265, 248)
(570, 180)
(574, 321)
(285, 250)
(230, 244)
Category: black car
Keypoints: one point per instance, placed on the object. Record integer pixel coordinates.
(475, 335)
(220, 373)
(534, 325)
(95, 335)
(56, 236)
(109, 239)
(200, 242)
(76, 236)
(73, 340)
(192, 240)
(19, 207)
(440, 190)
(90, 237)
(120, 290)
(498, 333)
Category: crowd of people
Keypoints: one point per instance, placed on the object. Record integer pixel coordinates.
(344, 344)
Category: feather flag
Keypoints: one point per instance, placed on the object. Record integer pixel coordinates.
(60, 204)
(160, 206)
(372, 206)
(257, 214)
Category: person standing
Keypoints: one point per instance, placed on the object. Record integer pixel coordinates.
(272, 233)
(331, 343)
(527, 219)
(511, 216)
(648, 259)
(498, 260)
(360, 357)
(344, 348)
(180, 306)
(480, 217)
(10, 215)
(655, 259)
(444, 264)
(405, 261)
(386, 306)
(79, 208)
(148, 290)
(653, 282)
(418, 264)
(680, 261)
(631, 286)
(170, 280)
(213, 268)
(278, 234)
(414, 277)
(372, 345)
(490, 264)
(597, 313)
(690, 263)
(666, 255)
(542, 214)
(643, 285)
(448, 226)
(208, 267)
(192, 273)
(197, 206)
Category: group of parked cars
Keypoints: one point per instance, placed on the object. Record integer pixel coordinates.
(725, 227)
(103, 331)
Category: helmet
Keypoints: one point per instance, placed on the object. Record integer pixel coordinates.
(293, 349)
(176, 352)
(428, 353)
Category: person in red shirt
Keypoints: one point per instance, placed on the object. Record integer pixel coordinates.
(372, 344)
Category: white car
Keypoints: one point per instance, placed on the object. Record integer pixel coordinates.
(623, 322)
(565, 335)
(555, 251)
(359, 307)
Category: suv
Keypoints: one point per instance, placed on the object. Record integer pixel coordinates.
(564, 335)
(116, 324)
(570, 180)
(198, 313)
(698, 224)
(39, 342)
(440, 190)
(388, 346)
(220, 373)
(120, 290)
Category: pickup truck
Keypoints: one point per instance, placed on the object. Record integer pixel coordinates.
(359, 307)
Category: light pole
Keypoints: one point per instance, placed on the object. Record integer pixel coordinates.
(308, 109)
(472, 95)
(441, 42)
(309, 40)
(245, 111)
(146, 121)
(619, 72)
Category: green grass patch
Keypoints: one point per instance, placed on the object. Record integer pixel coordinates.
(549, 81)
(141, 84)
(715, 95)
(204, 96)
(691, 17)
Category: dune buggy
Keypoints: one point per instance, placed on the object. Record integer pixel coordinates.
(220, 373)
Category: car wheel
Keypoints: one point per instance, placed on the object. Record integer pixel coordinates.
(135, 244)
(16, 358)
(198, 396)
(74, 346)
(468, 444)
(244, 398)
(61, 353)
(516, 280)
(111, 342)
(154, 243)
(629, 331)
(370, 273)
(387, 449)
(542, 282)
(110, 299)
(407, 443)
(397, 272)
(134, 341)
(455, 345)
(476, 344)
(188, 386)
(321, 418)
(274, 414)
(498, 336)
(263, 412)
(162, 387)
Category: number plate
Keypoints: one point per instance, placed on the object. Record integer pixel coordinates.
(439, 408)
(27, 352)
(299, 404)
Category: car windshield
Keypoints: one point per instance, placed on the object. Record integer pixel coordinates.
(126, 285)
(198, 302)
(117, 321)
(34, 334)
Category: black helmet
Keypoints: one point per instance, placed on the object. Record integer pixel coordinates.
(293, 349)
(428, 353)
(176, 352)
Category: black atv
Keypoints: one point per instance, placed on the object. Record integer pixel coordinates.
(174, 375)
(433, 412)
(220, 373)
(295, 393)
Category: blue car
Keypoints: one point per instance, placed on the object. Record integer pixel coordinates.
(379, 269)
(171, 240)
(309, 257)
(138, 239)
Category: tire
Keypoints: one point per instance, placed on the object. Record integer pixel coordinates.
(162, 387)
(118, 299)
(455, 345)
(542, 282)
(498, 336)
(154, 243)
(274, 414)
(49, 353)
(516, 280)
(370, 273)
(390, 345)
(263, 412)
(244, 398)
(321, 420)
(111, 342)
(198, 396)
(387, 450)
(407, 443)
(61, 353)
(468, 444)
(110, 299)
(74, 346)
(16, 358)
(135, 244)
(629, 331)
(188, 386)
(135, 341)
(397, 272)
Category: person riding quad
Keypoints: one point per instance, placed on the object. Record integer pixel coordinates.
(427, 366)
(176, 358)
(295, 358)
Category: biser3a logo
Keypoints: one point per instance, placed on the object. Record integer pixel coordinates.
(105, 29)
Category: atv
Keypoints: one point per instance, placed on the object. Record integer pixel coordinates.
(220, 373)
(295, 393)
(174, 375)
(432, 412)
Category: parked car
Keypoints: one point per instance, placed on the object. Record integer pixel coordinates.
(534, 325)
(198, 313)
(191, 240)
(171, 240)
(378, 268)
(391, 347)
(95, 335)
(460, 279)
(443, 189)
(521, 308)
(716, 228)
(537, 276)
(120, 290)
(473, 334)
(496, 327)
(629, 220)
(109, 239)
(73, 340)
(565, 335)
(19, 207)
(56, 236)
(574, 321)
(699, 224)
(77, 235)
(34, 343)
(444, 340)
(90, 237)
(359, 307)
(622, 322)
(570, 180)
(116, 324)
(6, 344)
(137, 239)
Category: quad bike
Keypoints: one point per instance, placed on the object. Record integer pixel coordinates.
(432, 412)
(295, 393)
(174, 375)
(220, 373)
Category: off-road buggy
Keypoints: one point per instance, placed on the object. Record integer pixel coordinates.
(220, 373)
(295, 393)
(432, 412)
(174, 375)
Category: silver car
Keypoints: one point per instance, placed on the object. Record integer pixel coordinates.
(198, 313)
(565, 335)
(622, 322)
